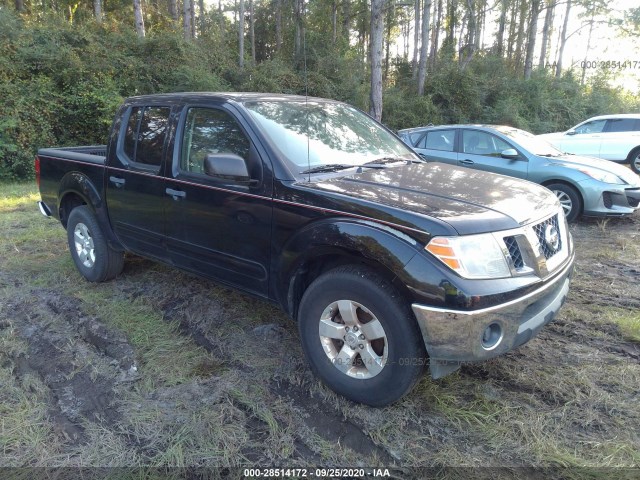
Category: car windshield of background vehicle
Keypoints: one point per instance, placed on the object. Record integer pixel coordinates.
(314, 134)
(530, 142)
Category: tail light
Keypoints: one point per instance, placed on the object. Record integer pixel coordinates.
(37, 169)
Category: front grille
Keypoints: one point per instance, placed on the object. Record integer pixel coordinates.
(514, 252)
(606, 199)
(633, 202)
(546, 231)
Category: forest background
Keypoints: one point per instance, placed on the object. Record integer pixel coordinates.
(66, 65)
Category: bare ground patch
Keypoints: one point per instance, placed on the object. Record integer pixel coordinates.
(159, 368)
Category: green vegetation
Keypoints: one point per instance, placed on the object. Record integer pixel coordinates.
(62, 81)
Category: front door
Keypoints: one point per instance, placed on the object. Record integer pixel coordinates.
(217, 227)
(483, 151)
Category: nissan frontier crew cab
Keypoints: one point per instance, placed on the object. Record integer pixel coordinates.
(383, 261)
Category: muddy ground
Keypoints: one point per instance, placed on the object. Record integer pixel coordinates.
(160, 368)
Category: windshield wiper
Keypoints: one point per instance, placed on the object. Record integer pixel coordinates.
(330, 167)
(382, 161)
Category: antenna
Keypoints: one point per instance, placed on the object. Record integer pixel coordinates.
(306, 86)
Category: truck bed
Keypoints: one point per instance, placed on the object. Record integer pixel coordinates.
(91, 154)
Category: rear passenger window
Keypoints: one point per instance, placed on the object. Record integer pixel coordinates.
(145, 135)
(622, 125)
(439, 140)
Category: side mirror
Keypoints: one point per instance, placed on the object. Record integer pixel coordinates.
(571, 132)
(228, 166)
(510, 153)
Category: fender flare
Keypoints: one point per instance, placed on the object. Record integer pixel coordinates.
(77, 183)
(374, 243)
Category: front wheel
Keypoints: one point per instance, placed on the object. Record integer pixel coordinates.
(94, 258)
(360, 337)
(569, 198)
(634, 160)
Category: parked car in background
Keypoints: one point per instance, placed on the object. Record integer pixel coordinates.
(583, 185)
(611, 137)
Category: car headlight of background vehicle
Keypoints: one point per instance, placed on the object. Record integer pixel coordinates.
(471, 256)
(600, 175)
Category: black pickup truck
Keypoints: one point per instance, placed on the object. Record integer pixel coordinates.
(386, 263)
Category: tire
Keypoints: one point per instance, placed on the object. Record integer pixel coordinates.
(381, 354)
(94, 259)
(634, 160)
(569, 198)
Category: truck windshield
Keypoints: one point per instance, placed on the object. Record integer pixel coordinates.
(314, 134)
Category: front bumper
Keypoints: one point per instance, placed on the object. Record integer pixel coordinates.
(452, 337)
(611, 200)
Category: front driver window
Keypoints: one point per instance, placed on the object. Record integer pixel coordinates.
(481, 143)
(591, 127)
(209, 130)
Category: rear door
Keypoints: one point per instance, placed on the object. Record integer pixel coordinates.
(483, 151)
(134, 185)
(217, 227)
(437, 145)
(619, 137)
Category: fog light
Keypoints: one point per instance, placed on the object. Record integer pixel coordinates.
(492, 336)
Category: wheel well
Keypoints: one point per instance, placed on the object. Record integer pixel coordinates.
(316, 266)
(632, 153)
(568, 184)
(67, 204)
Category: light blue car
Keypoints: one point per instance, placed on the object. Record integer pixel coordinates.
(583, 185)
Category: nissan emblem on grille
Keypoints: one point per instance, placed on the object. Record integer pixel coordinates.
(551, 237)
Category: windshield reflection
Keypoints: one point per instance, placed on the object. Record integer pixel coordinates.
(310, 134)
(530, 142)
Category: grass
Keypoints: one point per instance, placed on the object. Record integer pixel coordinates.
(629, 323)
(210, 391)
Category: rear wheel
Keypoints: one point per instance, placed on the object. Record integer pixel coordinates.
(94, 259)
(634, 160)
(569, 198)
(360, 337)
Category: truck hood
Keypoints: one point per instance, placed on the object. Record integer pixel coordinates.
(470, 201)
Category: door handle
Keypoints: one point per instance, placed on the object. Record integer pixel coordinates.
(466, 161)
(117, 181)
(176, 194)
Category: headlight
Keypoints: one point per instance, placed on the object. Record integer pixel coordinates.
(601, 175)
(471, 256)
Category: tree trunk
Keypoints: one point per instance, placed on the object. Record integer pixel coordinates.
(387, 44)
(97, 10)
(203, 17)
(586, 54)
(173, 10)
(186, 19)
(193, 19)
(416, 39)
(435, 38)
(531, 41)
(424, 48)
(240, 33)
(546, 32)
(521, 33)
(278, 25)
(511, 40)
(252, 33)
(19, 6)
(137, 13)
(299, 36)
(346, 19)
(501, 28)
(472, 27)
(334, 21)
(563, 39)
(375, 53)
